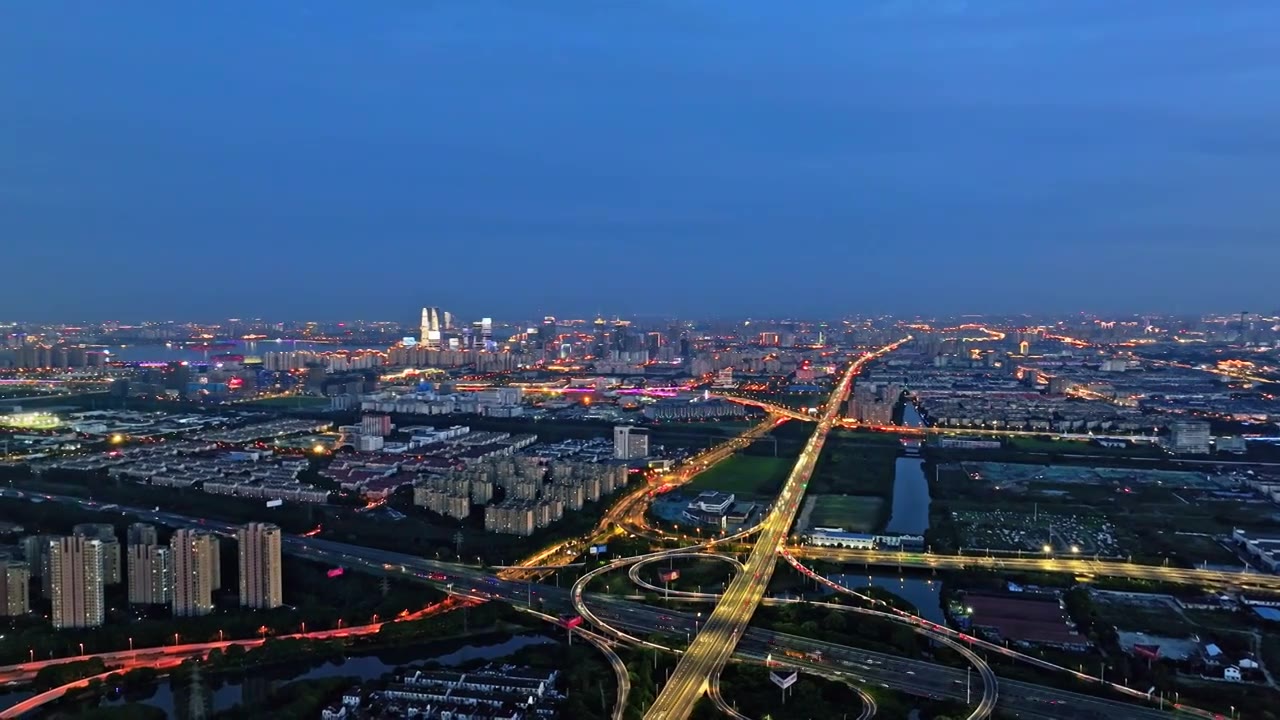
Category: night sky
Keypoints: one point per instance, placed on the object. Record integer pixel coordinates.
(342, 159)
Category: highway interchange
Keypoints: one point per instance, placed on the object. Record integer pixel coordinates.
(714, 644)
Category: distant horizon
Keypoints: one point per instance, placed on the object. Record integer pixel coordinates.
(465, 319)
(733, 159)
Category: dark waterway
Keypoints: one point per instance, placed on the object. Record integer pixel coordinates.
(910, 512)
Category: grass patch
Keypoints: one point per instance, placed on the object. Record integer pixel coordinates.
(747, 476)
(854, 513)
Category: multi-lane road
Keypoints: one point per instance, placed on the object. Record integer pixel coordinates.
(715, 643)
(1078, 566)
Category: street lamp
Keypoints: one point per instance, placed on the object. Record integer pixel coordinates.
(1075, 549)
(130, 644)
(175, 639)
(1047, 549)
(81, 649)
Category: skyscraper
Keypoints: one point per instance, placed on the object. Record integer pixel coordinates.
(194, 560)
(431, 330)
(75, 583)
(259, 565)
(15, 577)
(105, 532)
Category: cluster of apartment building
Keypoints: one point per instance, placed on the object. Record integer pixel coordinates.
(376, 475)
(491, 693)
(73, 571)
(534, 493)
(1015, 409)
(267, 431)
(241, 473)
(493, 402)
(696, 408)
(484, 362)
(873, 402)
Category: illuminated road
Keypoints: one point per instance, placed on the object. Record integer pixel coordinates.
(715, 643)
(606, 648)
(483, 586)
(123, 660)
(925, 430)
(1029, 701)
(1079, 567)
(631, 506)
(935, 632)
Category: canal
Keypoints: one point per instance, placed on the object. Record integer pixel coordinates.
(910, 512)
(923, 593)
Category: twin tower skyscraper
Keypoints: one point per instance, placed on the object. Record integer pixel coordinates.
(437, 331)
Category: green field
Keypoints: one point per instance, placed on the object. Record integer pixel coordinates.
(747, 476)
(854, 513)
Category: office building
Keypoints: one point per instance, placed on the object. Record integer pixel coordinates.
(194, 559)
(431, 330)
(106, 533)
(75, 582)
(1189, 437)
(15, 580)
(630, 443)
(259, 566)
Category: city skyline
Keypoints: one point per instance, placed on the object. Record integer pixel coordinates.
(853, 154)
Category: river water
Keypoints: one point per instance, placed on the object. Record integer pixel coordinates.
(910, 512)
(923, 593)
(909, 515)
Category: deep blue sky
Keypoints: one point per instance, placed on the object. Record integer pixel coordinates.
(341, 159)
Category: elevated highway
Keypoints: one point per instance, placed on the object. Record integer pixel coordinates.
(715, 643)
(1077, 566)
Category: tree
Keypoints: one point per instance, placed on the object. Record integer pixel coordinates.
(834, 622)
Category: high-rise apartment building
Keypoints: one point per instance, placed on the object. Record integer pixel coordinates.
(259, 566)
(75, 582)
(105, 532)
(195, 557)
(150, 574)
(15, 579)
(35, 549)
(142, 534)
(149, 567)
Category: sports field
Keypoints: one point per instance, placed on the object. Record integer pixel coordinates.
(747, 476)
(854, 513)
